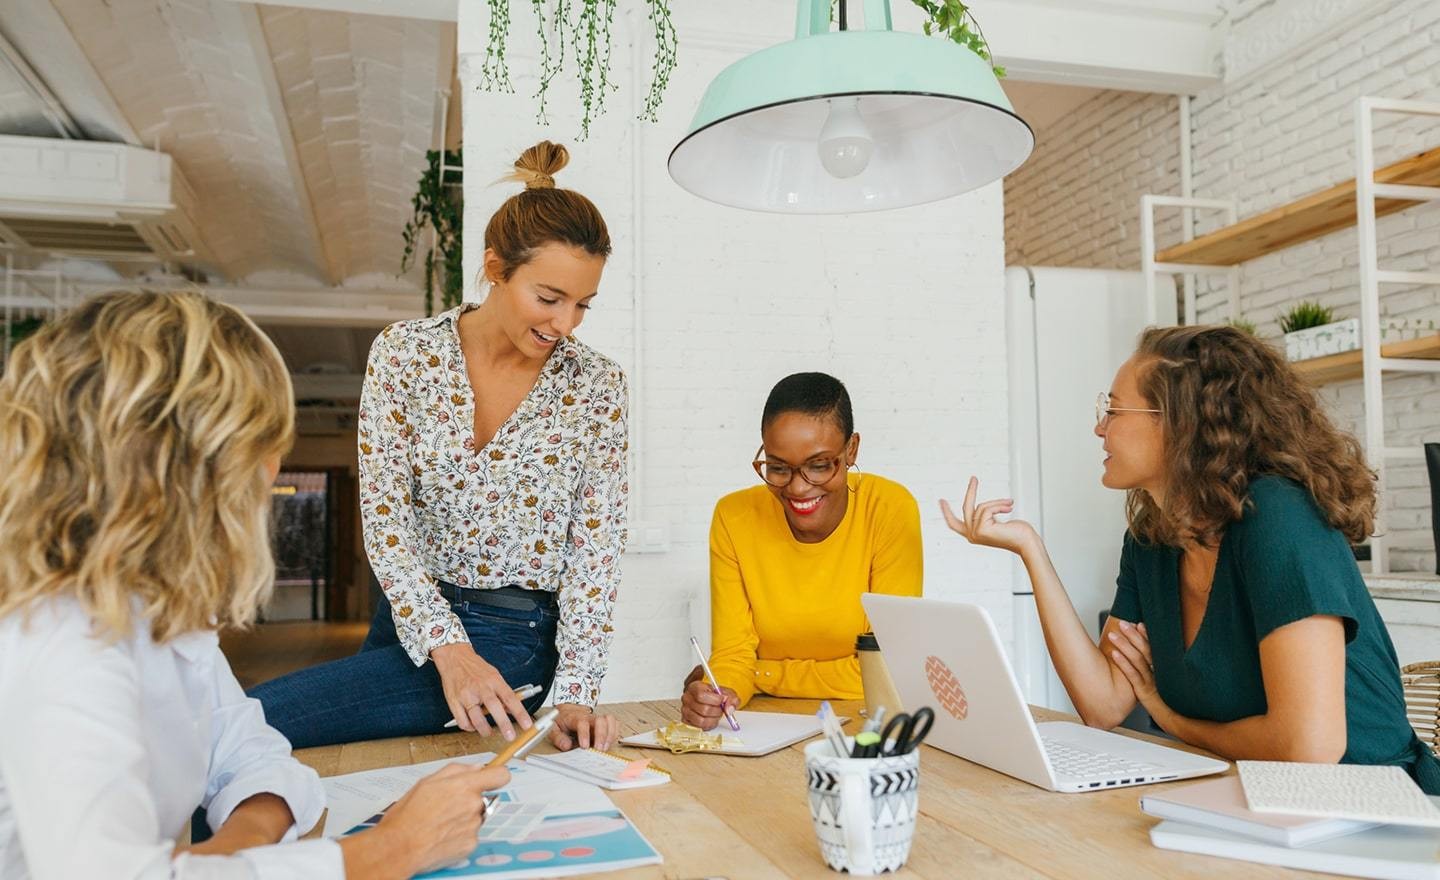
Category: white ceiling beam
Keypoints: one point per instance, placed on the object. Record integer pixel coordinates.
(429, 10)
(280, 117)
(299, 307)
(1169, 46)
(41, 35)
(50, 106)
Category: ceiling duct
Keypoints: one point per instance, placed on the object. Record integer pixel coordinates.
(93, 199)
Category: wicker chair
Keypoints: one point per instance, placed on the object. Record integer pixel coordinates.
(1422, 700)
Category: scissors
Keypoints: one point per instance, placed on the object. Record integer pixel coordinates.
(908, 730)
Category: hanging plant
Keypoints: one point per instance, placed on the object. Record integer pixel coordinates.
(954, 20)
(579, 30)
(438, 206)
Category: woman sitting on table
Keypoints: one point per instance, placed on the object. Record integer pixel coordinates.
(1241, 622)
(492, 490)
(139, 436)
(790, 559)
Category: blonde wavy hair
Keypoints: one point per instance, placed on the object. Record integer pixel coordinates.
(1233, 410)
(135, 432)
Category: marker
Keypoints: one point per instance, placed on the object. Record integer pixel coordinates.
(523, 693)
(724, 704)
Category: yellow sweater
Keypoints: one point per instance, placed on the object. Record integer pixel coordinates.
(784, 615)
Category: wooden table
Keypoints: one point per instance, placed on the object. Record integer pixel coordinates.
(742, 818)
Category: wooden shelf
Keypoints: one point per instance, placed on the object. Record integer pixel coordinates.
(1311, 217)
(1346, 365)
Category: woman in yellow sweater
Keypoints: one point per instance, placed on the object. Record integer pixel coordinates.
(790, 559)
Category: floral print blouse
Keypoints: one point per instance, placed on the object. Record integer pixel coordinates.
(542, 505)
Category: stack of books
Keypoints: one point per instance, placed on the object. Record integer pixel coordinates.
(1215, 818)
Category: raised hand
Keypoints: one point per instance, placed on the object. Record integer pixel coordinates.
(978, 523)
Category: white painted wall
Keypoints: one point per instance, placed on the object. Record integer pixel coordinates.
(906, 307)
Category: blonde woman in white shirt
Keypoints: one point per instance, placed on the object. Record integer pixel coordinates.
(492, 490)
(139, 435)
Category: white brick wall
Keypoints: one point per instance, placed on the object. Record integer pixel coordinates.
(1274, 135)
(1288, 130)
(1076, 202)
(906, 307)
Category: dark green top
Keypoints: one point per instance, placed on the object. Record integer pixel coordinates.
(1279, 563)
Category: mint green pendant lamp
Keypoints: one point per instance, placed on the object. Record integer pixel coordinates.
(850, 120)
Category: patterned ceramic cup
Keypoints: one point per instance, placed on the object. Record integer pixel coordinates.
(864, 808)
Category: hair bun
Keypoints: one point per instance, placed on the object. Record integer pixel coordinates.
(537, 166)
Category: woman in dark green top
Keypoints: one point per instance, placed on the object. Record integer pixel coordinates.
(1240, 622)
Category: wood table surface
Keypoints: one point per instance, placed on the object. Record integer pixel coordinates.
(741, 818)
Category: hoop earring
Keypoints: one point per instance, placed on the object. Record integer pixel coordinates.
(856, 468)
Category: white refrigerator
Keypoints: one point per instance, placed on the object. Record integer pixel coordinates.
(1069, 330)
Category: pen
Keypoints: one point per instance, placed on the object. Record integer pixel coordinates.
(873, 725)
(724, 704)
(523, 693)
(526, 741)
(830, 727)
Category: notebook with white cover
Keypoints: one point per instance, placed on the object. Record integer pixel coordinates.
(604, 769)
(760, 734)
(1220, 804)
(1337, 791)
(1385, 852)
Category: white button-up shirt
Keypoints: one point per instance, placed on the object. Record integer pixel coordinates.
(107, 748)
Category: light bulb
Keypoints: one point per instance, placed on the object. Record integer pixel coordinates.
(845, 144)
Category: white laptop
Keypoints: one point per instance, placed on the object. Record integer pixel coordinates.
(947, 655)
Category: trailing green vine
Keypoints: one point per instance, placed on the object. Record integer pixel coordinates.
(438, 205)
(954, 20)
(658, 13)
(494, 71)
(582, 31)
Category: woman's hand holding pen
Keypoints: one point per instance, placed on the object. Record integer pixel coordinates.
(434, 824)
(700, 706)
(474, 688)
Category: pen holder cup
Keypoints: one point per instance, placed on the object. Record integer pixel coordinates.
(864, 808)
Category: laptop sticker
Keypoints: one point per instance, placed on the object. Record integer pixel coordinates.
(946, 687)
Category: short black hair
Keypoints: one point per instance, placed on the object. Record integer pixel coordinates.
(816, 394)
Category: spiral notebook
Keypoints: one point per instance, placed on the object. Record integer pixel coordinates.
(605, 769)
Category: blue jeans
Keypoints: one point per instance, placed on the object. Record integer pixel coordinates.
(380, 693)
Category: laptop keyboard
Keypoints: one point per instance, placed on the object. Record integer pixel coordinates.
(1085, 764)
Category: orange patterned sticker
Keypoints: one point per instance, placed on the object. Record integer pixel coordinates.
(946, 687)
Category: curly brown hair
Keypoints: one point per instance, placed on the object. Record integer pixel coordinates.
(1234, 410)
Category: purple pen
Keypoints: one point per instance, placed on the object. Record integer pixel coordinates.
(724, 704)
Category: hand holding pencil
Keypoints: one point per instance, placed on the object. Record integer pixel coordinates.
(704, 701)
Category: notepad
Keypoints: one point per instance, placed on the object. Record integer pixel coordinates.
(604, 769)
(760, 734)
(1338, 791)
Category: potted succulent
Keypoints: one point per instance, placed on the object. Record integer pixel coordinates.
(1243, 325)
(1311, 331)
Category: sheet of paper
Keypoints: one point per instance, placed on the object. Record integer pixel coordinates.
(760, 733)
(355, 797)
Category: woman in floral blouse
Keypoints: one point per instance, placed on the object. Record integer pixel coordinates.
(492, 489)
